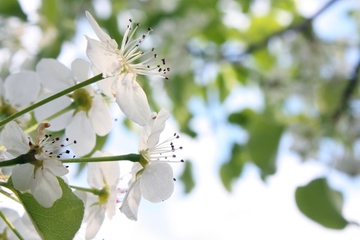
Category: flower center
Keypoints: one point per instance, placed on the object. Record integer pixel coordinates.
(29, 157)
(82, 100)
(143, 159)
(103, 194)
(6, 110)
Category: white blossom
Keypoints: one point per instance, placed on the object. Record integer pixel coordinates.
(38, 174)
(88, 113)
(18, 91)
(103, 177)
(153, 178)
(22, 224)
(120, 69)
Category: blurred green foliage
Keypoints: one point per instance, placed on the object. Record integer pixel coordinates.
(216, 47)
(321, 203)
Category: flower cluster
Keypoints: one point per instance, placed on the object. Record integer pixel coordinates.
(74, 103)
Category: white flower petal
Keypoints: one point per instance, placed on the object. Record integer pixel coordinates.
(80, 69)
(53, 107)
(55, 167)
(11, 216)
(22, 175)
(82, 196)
(131, 201)
(111, 203)
(45, 188)
(132, 100)
(99, 115)
(136, 167)
(25, 228)
(103, 57)
(21, 88)
(80, 129)
(54, 75)
(157, 183)
(145, 133)
(94, 176)
(104, 37)
(96, 215)
(2, 89)
(91, 199)
(14, 139)
(101, 173)
(108, 86)
(158, 127)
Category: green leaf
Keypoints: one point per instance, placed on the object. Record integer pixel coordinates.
(265, 135)
(232, 169)
(322, 204)
(11, 8)
(50, 9)
(242, 118)
(262, 26)
(264, 59)
(61, 221)
(245, 5)
(187, 177)
(329, 95)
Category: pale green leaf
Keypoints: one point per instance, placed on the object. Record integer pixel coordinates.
(61, 221)
(321, 203)
(263, 144)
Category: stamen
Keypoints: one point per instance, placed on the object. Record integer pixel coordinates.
(54, 146)
(164, 151)
(129, 52)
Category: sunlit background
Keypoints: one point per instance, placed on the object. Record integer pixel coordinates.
(232, 63)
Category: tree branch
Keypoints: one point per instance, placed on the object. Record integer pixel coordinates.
(294, 27)
(352, 83)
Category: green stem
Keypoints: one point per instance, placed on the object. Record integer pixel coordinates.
(9, 196)
(10, 225)
(51, 98)
(5, 184)
(90, 190)
(33, 128)
(18, 160)
(129, 157)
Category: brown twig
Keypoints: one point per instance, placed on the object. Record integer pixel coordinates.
(352, 83)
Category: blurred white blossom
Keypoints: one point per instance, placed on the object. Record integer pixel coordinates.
(22, 224)
(102, 177)
(18, 90)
